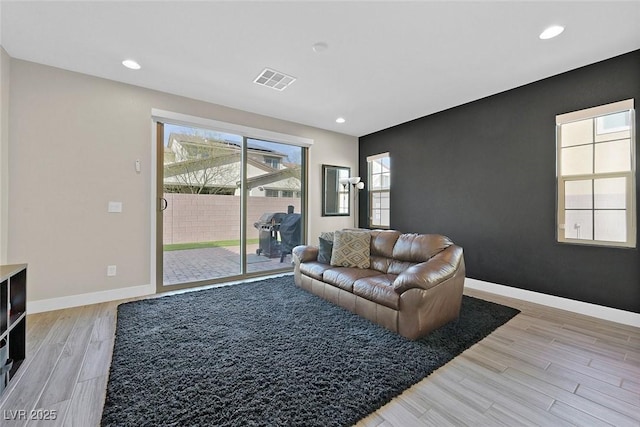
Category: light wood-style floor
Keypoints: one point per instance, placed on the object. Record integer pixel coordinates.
(544, 367)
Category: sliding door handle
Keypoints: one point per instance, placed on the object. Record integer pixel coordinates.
(163, 203)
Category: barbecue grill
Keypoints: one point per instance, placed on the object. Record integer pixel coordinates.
(289, 234)
(268, 226)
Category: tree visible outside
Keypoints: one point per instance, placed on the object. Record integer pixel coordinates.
(198, 161)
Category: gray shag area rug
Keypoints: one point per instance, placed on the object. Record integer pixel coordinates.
(268, 353)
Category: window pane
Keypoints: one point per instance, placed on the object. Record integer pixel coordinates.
(613, 156)
(386, 180)
(576, 133)
(380, 200)
(610, 193)
(384, 218)
(375, 201)
(376, 182)
(384, 201)
(578, 225)
(380, 176)
(611, 226)
(577, 160)
(375, 220)
(613, 122)
(578, 194)
(377, 168)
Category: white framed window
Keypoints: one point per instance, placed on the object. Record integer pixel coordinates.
(596, 175)
(274, 162)
(379, 167)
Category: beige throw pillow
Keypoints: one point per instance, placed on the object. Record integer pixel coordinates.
(351, 249)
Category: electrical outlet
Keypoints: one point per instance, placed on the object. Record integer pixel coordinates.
(111, 270)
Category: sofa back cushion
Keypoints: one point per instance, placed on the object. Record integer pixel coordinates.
(419, 247)
(382, 243)
(411, 249)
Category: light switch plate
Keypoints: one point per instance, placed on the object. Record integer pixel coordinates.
(111, 270)
(115, 207)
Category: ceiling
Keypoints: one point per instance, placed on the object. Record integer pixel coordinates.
(386, 62)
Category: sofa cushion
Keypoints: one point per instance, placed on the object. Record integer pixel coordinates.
(378, 289)
(325, 249)
(416, 248)
(314, 269)
(344, 277)
(382, 243)
(397, 267)
(351, 249)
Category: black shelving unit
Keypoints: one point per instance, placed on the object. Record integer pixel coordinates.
(13, 320)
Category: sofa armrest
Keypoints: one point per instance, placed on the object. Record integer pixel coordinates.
(428, 274)
(304, 253)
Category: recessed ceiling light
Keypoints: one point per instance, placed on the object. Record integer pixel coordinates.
(340, 120)
(319, 47)
(130, 63)
(551, 32)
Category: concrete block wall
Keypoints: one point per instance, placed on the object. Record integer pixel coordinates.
(209, 217)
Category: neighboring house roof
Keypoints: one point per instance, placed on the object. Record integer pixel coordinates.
(199, 158)
(185, 139)
(178, 168)
(270, 178)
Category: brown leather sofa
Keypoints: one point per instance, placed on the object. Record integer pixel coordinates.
(413, 286)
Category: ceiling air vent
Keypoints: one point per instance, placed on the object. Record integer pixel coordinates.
(274, 79)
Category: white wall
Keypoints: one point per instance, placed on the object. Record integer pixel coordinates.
(4, 153)
(73, 142)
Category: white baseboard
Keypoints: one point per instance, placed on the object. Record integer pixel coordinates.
(593, 310)
(42, 305)
(599, 311)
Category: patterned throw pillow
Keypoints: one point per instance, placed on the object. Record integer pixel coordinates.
(351, 249)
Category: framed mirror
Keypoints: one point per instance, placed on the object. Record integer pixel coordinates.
(335, 196)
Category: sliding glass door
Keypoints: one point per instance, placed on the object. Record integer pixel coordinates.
(223, 200)
(274, 189)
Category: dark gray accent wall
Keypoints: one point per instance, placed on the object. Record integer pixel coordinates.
(483, 173)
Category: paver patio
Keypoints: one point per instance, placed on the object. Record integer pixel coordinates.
(192, 265)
